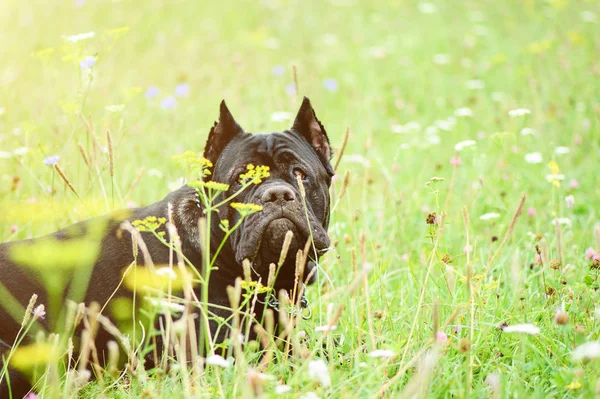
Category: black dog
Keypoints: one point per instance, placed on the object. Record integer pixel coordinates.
(302, 151)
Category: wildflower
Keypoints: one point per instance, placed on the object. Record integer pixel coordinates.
(561, 150)
(168, 102)
(455, 161)
(79, 37)
(431, 218)
(441, 337)
(51, 160)
(166, 307)
(21, 151)
(14, 228)
(587, 351)
(281, 116)
(182, 90)
(318, 371)
(534, 157)
(522, 329)
(489, 215)
(31, 395)
(590, 254)
(573, 385)
(570, 201)
(331, 84)
(255, 174)
(404, 258)
(562, 222)
(574, 184)
(468, 249)
(278, 70)
(246, 209)
(441, 59)
(290, 89)
(518, 112)
(463, 112)
(464, 144)
(88, 62)
(493, 381)
(251, 286)
(531, 211)
(382, 353)
(281, 389)
(218, 360)
(475, 84)
(152, 91)
(211, 185)
(527, 131)
(39, 312)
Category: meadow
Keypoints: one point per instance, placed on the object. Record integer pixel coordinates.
(465, 214)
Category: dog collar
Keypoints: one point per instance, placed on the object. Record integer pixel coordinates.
(304, 310)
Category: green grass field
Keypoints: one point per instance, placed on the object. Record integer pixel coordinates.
(498, 100)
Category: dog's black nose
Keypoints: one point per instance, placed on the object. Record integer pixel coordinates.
(279, 194)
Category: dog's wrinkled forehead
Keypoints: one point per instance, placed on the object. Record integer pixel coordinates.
(269, 149)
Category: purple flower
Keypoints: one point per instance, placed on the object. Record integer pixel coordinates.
(278, 70)
(331, 84)
(152, 91)
(168, 102)
(182, 89)
(441, 337)
(51, 160)
(590, 253)
(87, 62)
(290, 89)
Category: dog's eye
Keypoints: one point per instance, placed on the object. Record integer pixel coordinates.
(299, 172)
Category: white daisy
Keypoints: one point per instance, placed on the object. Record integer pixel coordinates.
(534, 157)
(522, 329)
(518, 112)
(463, 112)
(560, 150)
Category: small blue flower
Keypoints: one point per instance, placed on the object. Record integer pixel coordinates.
(290, 89)
(168, 102)
(331, 84)
(152, 91)
(182, 89)
(51, 160)
(87, 62)
(278, 70)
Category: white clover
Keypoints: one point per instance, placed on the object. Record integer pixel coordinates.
(318, 371)
(115, 108)
(463, 112)
(325, 328)
(441, 59)
(475, 84)
(281, 389)
(522, 329)
(79, 37)
(281, 116)
(562, 222)
(527, 131)
(587, 351)
(464, 144)
(555, 176)
(518, 112)
(489, 215)
(561, 150)
(21, 151)
(382, 353)
(534, 157)
(218, 360)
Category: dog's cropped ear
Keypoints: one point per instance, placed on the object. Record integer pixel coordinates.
(221, 134)
(312, 130)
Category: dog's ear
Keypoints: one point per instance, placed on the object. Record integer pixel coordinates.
(221, 134)
(312, 130)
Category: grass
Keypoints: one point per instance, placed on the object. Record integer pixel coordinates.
(395, 73)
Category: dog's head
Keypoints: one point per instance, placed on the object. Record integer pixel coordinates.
(302, 151)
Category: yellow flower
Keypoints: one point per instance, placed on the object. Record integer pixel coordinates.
(27, 357)
(255, 285)
(246, 209)
(255, 174)
(145, 281)
(574, 385)
(150, 223)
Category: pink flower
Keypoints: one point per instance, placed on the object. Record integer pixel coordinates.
(468, 249)
(590, 253)
(31, 395)
(405, 257)
(538, 259)
(14, 228)
(395, 167)
(531, 212)
(578, 140)
(441, 337)
(574, 184)
(570, 201)
(455, 161)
